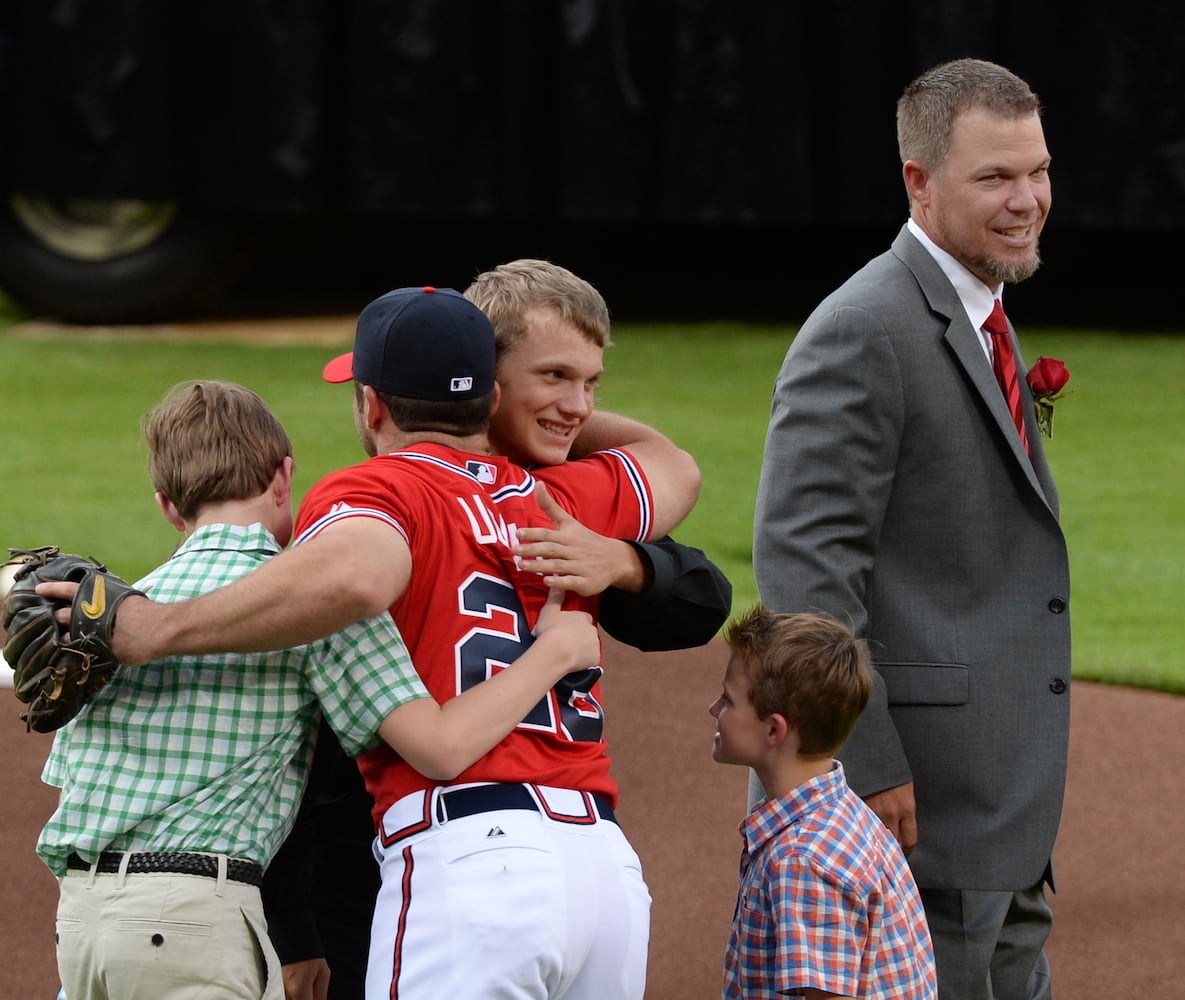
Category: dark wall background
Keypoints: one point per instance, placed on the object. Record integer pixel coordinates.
(756, 135)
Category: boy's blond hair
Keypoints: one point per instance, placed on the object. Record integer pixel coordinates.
(808, 668)
(506, 292)
(211, 441)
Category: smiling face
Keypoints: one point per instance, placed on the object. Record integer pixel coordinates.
(548, 379)
(987, 204)
(741, 736)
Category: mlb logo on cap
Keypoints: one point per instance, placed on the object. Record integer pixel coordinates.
(421, 343)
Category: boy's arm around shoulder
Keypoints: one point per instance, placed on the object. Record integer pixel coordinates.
(441, 741)
(603, 430)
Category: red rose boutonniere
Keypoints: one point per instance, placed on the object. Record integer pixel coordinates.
(1047, 378)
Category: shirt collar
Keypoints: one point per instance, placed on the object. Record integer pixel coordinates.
(229, 536)
(977, 298)
(771, 816)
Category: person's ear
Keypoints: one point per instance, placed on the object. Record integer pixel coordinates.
(495, 399)
(917, 182)
(169, 510)
(777, 729)
(281, 485)
(372, 408)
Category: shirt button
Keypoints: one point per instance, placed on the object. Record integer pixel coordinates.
(1057, 605)
(1057, 685)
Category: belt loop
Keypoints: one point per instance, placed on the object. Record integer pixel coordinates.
(220, 885)
(439, 808)
(90, 882)
(124, 860)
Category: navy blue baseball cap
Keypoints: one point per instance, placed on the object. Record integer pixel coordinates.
(421, 343)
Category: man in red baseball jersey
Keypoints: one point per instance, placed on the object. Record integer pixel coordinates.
(551, 330)
(515, 879)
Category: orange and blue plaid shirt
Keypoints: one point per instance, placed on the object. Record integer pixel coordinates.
(826, 901)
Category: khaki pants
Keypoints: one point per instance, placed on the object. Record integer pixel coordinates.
(163, 937)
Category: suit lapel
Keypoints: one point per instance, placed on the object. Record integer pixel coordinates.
(964, 343)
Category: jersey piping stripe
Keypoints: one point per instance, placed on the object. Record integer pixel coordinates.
(415, 456)
(341, 513)
(528, 484)
(401, 926)
(634, 474)
(522, 489)
(639, 483)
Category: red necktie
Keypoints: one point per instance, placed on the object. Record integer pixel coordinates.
(1004, 365)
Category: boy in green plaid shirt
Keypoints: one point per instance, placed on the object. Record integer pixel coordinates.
(182, 778)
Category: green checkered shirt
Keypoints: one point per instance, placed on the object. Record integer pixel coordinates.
(211, 753)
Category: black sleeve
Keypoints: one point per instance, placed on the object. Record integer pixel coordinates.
(319, 890)
(686, 601)
(288, 882)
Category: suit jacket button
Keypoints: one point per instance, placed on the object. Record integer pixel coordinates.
(1057, 605)
(1057, 685)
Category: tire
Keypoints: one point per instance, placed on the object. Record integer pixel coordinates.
(93, 261)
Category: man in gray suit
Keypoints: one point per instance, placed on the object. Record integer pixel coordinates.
(899, 493)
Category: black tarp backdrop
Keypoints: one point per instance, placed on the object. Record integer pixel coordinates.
(721, 123)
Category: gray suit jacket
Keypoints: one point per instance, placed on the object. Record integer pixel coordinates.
(895, 494)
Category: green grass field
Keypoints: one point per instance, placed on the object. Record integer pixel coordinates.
(72, 469)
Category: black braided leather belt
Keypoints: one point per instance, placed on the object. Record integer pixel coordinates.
(172, 863)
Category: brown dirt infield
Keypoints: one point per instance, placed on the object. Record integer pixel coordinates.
(1118, 914)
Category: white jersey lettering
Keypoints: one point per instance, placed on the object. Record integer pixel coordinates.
(488, 526)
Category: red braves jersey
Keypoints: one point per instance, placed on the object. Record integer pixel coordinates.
(469, 607)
